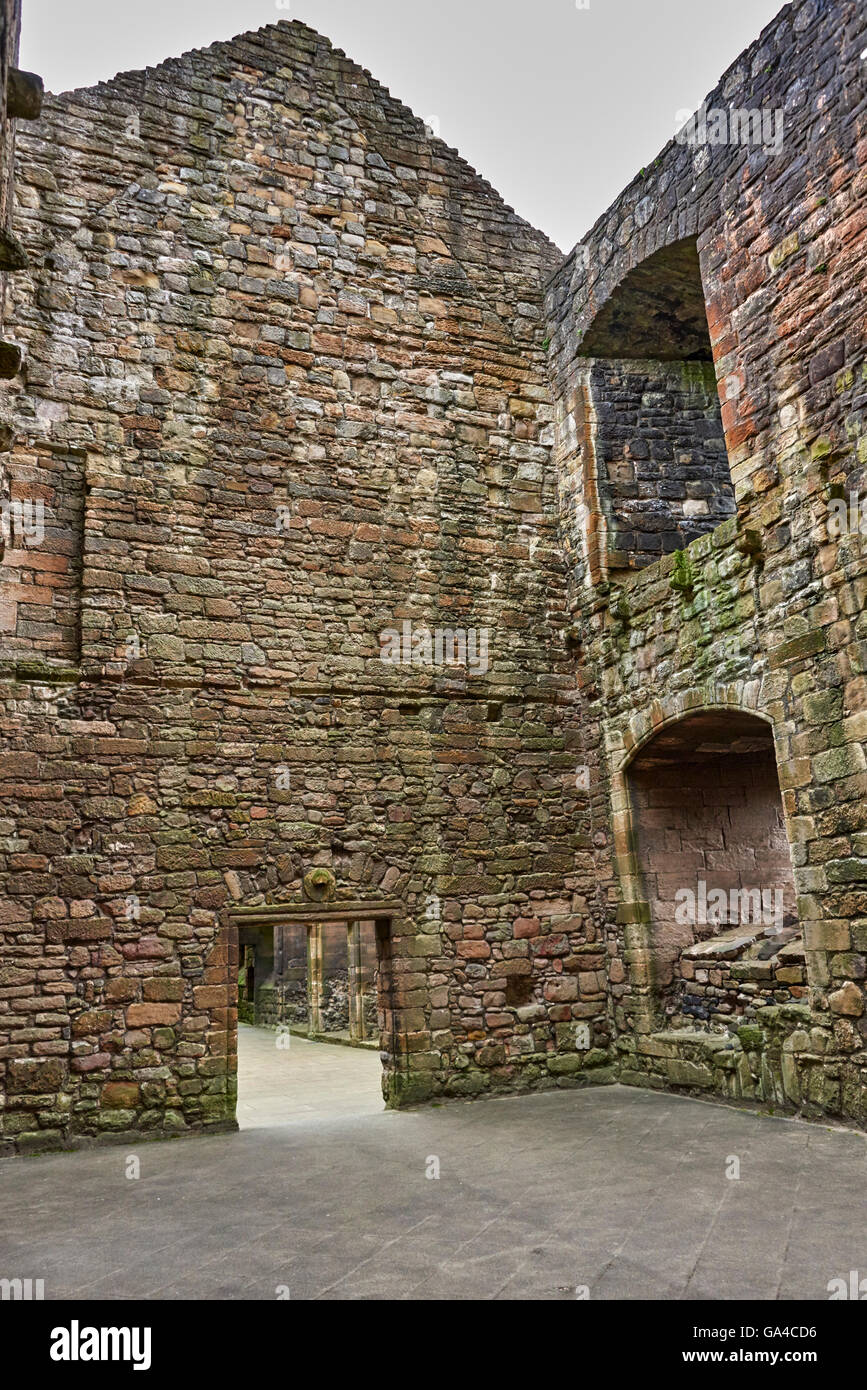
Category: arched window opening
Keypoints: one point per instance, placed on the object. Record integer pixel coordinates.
(659, 444)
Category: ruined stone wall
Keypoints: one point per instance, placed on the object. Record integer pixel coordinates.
(281, 974)
(765, 614)
(296, 347)
(10, 34)
(40, 591)
(33, 582)
(727, 979)
(291, 376)
(664, 476)
(716, 823)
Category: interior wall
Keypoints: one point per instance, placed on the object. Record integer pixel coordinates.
(660, 448)
(712, 818)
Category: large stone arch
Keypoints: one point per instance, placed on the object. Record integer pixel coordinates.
(656, 310)
(651, 468)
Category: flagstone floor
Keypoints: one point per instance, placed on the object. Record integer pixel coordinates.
(607, 1193)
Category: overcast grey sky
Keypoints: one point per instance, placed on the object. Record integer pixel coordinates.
(557, 105)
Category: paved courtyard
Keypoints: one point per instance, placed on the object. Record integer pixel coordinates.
(326, 1194)
(303, 1081)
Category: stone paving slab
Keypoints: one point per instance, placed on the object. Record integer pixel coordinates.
(624, 1191)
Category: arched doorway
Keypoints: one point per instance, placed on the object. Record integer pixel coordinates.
(713, 867)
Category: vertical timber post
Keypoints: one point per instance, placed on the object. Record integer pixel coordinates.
(356, 995)
(314, 978)
(388, 1039)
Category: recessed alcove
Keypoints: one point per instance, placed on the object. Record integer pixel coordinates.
(714, 866)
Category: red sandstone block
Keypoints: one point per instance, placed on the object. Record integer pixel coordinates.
(471, 931)
(95, 1062)
(526, 927)
(36, 1077)
(554, 945)
(49, 583)
(148, 948)
(49, 908)
(739, 433)
(474, 950)
(209, 997)
(90, 1023)
(562, 990)
(591, 982)
(326, 527)
(237, 858)
(82, 907)
(149, 1015)
(121, 990)
(512, 967)
(93, 929)
(120, 1095)
(29, 593)
(160, 990)
(40, 560)
(327, 343)
(20, 765)
(494, 1020)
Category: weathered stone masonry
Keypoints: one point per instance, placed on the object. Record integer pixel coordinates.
(761, 616)
(295, 376)
(295, 349)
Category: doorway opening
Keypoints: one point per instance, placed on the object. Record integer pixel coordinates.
(314, 1009)
(712, 852)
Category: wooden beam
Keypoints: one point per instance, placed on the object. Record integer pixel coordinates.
(314, 978)
(24, 93)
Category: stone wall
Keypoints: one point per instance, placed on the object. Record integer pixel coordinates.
(764, 614)
(34, 585)
(727, 978)
(710, 842)
(280, 993)
(663, 470)
(301, 393)
(295, 351)
(40, 592)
